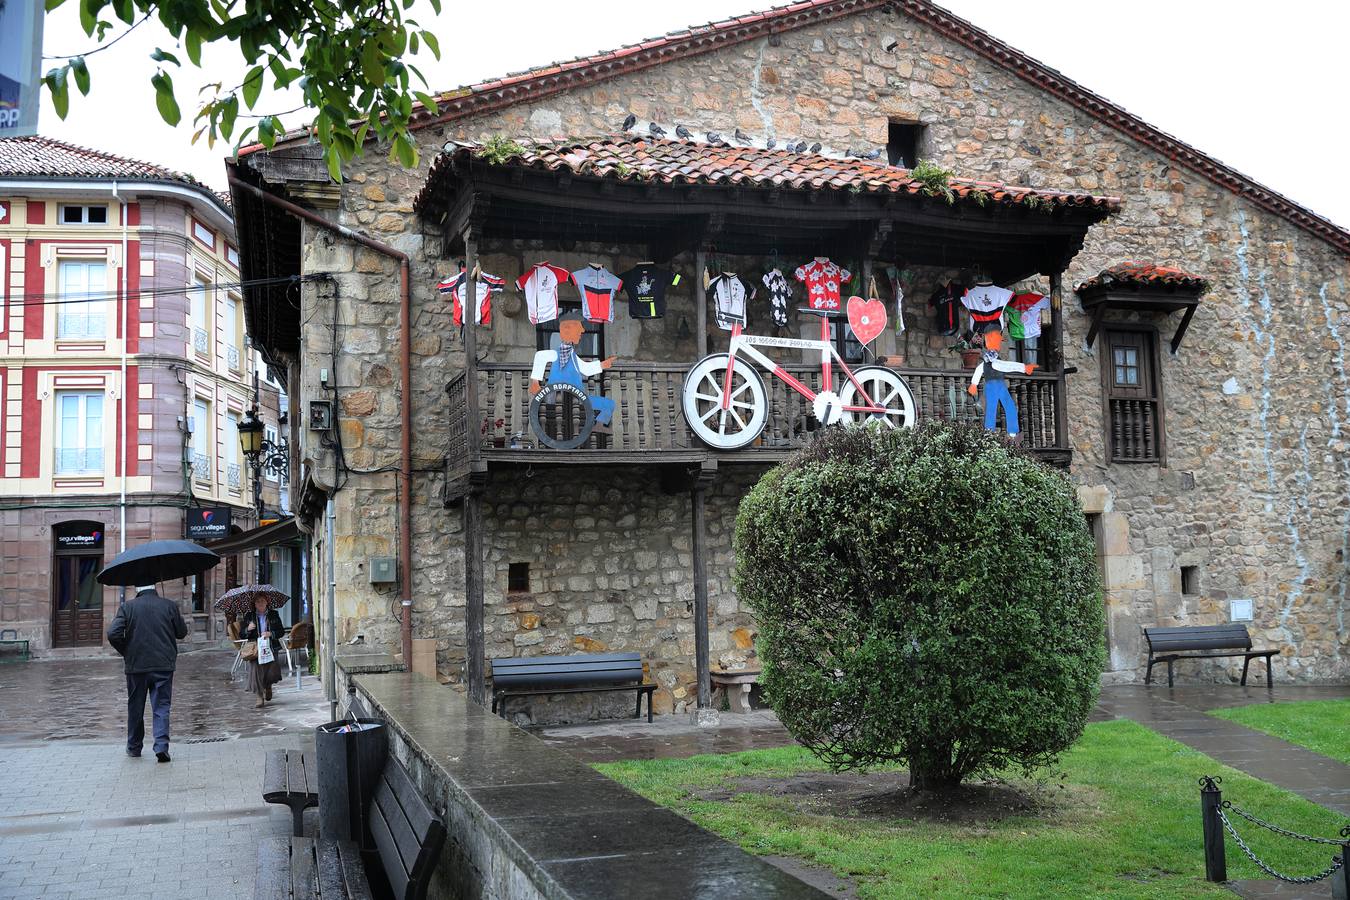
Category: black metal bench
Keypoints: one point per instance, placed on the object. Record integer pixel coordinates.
(579, 673)
(408, 838)
(1168, 645)
(14, 639)
(289, 778)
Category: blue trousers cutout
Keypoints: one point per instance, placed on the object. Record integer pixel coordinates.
(996, 395)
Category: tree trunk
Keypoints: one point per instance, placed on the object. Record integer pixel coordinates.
(933, 770)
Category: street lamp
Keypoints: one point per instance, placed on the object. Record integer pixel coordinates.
(262, 454)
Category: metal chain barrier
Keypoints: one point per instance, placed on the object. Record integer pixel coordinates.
(1227, 804)
(1337, 861)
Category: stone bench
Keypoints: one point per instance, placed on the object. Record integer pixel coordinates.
(737, 684)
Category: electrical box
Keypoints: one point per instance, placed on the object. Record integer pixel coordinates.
(383, 570)
(320, 415)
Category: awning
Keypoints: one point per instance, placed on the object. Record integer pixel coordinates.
(284, 532)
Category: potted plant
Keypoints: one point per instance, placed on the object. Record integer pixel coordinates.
(493, 432)
(971, 347)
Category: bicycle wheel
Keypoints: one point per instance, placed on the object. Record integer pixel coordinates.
(732, 428)
(886, 389)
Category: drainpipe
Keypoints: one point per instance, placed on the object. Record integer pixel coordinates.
(405, 372)
(126, 400)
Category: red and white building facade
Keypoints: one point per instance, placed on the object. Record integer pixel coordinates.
(125, 371)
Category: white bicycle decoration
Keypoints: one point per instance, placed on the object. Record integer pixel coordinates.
(726, 405)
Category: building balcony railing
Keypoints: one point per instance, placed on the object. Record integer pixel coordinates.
(233, 476)
(201, 467)
(649, 423)
(200, 340)
(79, 460)
(232, 358)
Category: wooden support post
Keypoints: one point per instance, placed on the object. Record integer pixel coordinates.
(863, 290)
(1176, 343)
(1057, 359)
(700, 303)
(474, 675)
(696, 494)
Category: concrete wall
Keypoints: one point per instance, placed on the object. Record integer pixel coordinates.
(1254, 489)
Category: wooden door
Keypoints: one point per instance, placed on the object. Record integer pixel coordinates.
(77, 601)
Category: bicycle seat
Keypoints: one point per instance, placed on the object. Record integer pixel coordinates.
(823, 313)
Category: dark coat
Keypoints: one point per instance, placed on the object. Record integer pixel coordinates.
(146, 631)
(273, 625)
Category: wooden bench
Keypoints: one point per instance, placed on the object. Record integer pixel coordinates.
(289, 778)
(1169, 645)
(408, 838)
(578, 673)
(13, 638)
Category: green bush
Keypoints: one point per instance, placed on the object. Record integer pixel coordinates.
(927, 596)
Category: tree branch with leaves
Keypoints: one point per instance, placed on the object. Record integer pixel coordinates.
(346, 58)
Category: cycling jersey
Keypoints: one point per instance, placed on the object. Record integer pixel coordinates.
(822, 279)
(646, 287)
(597, 286)
(487, 286)
(729, 293)
(540, 285)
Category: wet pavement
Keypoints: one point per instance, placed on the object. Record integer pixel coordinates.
(669, 737)
(86, 699)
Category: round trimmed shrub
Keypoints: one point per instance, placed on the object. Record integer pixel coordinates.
(927, 596)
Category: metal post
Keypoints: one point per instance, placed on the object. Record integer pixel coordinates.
(1216, 867)
(1340, 879)
(330, 613)
(700, 303)
(474, 665)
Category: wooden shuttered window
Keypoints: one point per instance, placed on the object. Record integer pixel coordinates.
(1132, 390)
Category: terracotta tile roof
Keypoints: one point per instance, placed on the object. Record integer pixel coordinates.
(43, 157)
(534, 84)
(666, 161)
(1136, 273)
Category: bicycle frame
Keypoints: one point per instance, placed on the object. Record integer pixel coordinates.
(746, 343)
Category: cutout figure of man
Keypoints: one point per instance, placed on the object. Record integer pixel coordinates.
(993, 370)
(565, 367)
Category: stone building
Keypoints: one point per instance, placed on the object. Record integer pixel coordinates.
(1192, 361)
(125, 370)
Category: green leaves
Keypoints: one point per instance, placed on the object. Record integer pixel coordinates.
(165, 101)
(342, 60)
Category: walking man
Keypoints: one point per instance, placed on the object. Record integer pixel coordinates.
(146, 631)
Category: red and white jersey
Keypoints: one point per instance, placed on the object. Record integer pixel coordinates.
(540, 285)
(822, 279)
(598, 287)
(487, 286)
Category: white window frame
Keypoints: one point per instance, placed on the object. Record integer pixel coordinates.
(234, 472)
(232, 255)
(233, 355)
(199, 321)
(203, 235)
(87, 457)
(84, 209)
(81, 320)
(271, 434)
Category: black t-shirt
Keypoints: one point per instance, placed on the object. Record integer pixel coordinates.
(946, 303)
(646, 286)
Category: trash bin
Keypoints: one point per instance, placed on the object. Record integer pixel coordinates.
(350, 755)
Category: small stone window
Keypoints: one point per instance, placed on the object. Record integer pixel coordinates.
(1190, 580)
(518, 578)
(902, 144)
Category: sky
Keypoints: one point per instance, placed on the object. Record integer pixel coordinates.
(1259, 87)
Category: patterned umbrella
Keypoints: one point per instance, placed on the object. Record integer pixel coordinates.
(238, 601)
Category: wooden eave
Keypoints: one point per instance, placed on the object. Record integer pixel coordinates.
(1160, 297)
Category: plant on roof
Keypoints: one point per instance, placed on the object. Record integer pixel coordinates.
(350, 61)
(927, 596)
(936, 181)
(498, 148)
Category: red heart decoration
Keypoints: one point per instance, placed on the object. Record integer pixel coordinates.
(867, 318)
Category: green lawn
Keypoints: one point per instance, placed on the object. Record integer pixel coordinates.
(1125, 823)
(1323, 726)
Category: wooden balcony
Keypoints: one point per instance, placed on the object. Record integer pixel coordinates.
(649, 425)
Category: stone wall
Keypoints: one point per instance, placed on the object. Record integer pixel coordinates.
(1253, 491)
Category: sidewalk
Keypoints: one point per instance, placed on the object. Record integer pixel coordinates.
(82, 820)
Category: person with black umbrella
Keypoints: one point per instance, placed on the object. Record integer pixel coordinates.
(147, 629)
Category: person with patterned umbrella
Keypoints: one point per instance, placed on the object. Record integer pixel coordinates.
(256, 607)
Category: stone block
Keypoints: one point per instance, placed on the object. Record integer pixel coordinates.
(1123, 573)
(599, 613)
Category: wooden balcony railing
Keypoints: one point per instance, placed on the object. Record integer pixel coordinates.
(648, 417)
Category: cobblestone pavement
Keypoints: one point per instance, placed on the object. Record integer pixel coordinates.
(82, 820)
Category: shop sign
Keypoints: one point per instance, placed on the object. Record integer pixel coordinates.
(208, 523)
(79, 536)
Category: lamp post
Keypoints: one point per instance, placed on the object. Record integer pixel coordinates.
(261, 454)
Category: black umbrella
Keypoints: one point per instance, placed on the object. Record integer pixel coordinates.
(158, 561)
(237, 601)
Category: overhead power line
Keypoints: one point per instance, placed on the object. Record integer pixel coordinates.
(113, 295)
